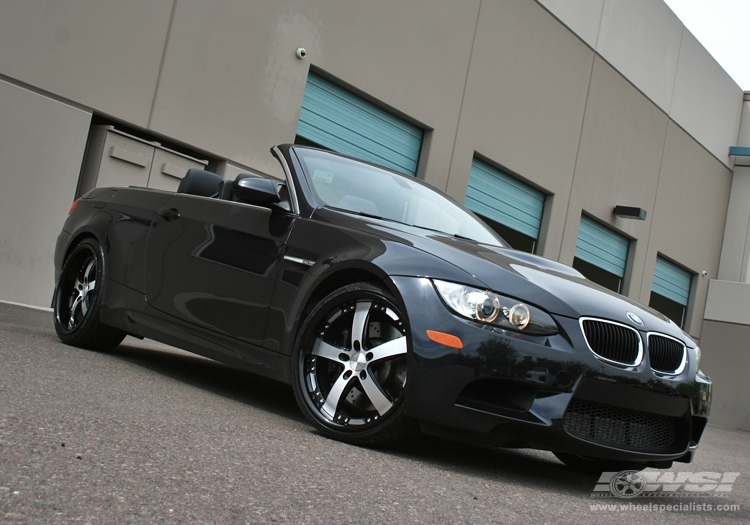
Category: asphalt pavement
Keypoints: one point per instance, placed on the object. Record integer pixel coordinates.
(150, 434)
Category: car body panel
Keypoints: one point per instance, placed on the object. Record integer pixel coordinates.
(233, 281)
(217, 264)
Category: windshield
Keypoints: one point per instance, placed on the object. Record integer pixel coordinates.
(359, 188)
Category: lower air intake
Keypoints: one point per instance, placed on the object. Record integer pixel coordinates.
(622, 428)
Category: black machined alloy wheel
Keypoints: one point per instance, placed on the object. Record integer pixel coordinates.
(78, 299)
(350, 366)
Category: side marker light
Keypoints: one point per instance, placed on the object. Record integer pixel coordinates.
(445, 339)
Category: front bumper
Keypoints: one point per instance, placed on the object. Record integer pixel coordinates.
(509, 389)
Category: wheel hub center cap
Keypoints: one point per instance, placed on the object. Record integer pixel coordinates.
(358, 362)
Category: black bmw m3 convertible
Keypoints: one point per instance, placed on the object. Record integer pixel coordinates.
(387, 306)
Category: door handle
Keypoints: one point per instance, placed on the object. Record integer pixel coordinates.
(169, 214)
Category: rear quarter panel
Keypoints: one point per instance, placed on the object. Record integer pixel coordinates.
(120, 219)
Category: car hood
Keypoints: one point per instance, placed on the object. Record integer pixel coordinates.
(552, 286)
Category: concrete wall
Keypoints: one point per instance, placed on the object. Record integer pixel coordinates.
(735, 253)
(102, 55)
(41, 147)
(727, 315)
(237, 90)
(726, 359)
(726, 339)
(524, 109)
(648, 44)
(616, 105)
(592, 142)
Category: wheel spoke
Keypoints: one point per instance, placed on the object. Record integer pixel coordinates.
(381, 403)
(359, 323)
(351, 363)
(390, 348)
(323, 349)
(337, 390)
(87, 272)
(73, 307)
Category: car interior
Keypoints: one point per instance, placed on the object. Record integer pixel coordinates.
(208, 184)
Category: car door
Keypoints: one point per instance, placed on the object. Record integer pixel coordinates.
(214, 263)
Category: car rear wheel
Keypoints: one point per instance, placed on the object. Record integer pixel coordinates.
(78, 298)
(350, 366)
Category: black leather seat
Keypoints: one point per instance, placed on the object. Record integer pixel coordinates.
(199, 182)
(225, 190)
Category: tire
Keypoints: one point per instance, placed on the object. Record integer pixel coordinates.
(596, 466)
(78, 300)
(349, 367)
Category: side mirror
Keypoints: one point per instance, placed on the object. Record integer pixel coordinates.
(255, 190)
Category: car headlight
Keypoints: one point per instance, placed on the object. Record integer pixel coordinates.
(491, 308)
(697, 351)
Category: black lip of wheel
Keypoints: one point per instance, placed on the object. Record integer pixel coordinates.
(77, 290)
(354, 364)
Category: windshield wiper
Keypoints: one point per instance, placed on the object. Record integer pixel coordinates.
(457, 236)
(372, 216)
(362, 214)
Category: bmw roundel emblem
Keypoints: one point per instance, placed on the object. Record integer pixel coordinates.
(637, 320)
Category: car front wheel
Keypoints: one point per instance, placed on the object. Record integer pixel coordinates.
(350, 366)
(78, 298)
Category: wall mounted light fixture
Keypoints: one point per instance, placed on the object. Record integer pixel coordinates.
(630, 212)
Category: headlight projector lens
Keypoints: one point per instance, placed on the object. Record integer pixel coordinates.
(488, 310)
(519, 315)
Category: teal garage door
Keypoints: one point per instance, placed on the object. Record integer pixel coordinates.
(338, 120)
(602, 247)
(504, 199)
(671, 281)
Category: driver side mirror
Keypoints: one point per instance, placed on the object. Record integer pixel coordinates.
(255, 190)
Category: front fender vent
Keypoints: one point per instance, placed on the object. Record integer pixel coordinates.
(612, 342)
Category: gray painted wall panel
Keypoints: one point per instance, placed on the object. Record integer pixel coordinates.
(581, 16)
(706, 102)
(103, 55)
(524, 104)
(41, 147)
(735, 251)
(237, 90)
(728, 301)
(516, 95)
(689, 215)
(734, 266)
(726, 359)
(619, 159)
(641, 39)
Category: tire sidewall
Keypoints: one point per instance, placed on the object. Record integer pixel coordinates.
(312, 319)
(72, 336)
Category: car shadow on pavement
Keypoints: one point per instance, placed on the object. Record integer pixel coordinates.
(211, 376)
(521, 467)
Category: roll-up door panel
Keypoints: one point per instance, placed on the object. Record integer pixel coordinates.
(602, 247)
(504, 199)
(343, 122)
(671, 281)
